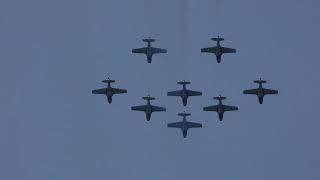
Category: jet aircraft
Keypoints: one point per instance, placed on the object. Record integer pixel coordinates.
(260, 91)
(218, 50)
(184, 93)
(148, 108)
(220, 108)
(109, 91)
(184, 125)
(149, 51)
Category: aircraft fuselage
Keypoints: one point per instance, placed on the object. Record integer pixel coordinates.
(149, 52)
(148, 116)
(109, 93)
(220, 110)
(218, 49)
(109, 99)
(184, 97)
(220, 107)
(148, 109)
(260, 94)
(184, 128)
(221, 116)
(184, 133)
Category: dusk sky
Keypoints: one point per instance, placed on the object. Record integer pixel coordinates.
(53, 53)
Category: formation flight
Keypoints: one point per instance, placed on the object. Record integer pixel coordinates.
(218, 50)
(220, 108)
(149, 51)
(184, 125)
(148, 108)
(184, 93)
(109, 91)
(260, 91)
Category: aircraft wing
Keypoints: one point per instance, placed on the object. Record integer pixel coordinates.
(157, 108)
(270, 91)
(118, 91)
(250, 91)
(228, 50)
(194, 93)
(175, 125)
(99, 91)
(139, 108)
(194, 125)
(211, 108)
(209, 50)
(158, 50)
(140, 50)
(230, 108)
(174, 93)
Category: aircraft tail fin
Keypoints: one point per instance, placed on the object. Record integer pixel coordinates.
(183, 82)
(184, 114)
(217, 39)
(108, 81)
(148, 98)
(219, 97)
(148, 40)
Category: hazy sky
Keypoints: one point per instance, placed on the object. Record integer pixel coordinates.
(53, 53)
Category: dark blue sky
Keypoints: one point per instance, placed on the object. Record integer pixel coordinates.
(53, 53)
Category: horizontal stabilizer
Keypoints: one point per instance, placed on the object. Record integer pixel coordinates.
(260, 81)
(108, 81)
(217, 39)
(148, 98)
(148, 40)
(183, 82)
(219, 98)
(184, 114)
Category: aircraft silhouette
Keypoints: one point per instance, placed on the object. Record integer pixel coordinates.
(109, 91)
(218, 50)
(220, 108)
(149, 51)
(184, 125)
(184, 93)
(148, 108)
(260, 91)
